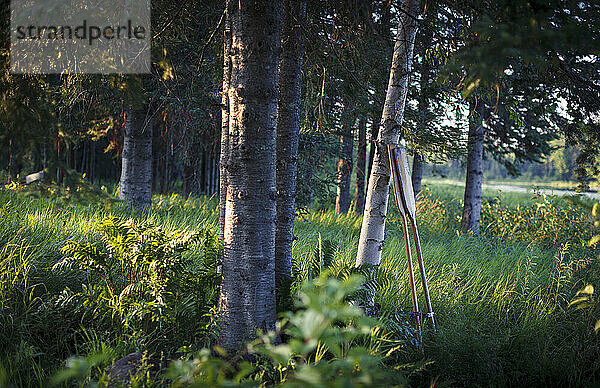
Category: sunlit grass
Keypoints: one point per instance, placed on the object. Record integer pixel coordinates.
(500, 304)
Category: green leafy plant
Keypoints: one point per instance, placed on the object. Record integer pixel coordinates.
(140, 276)
(544, 222)
(331, 343)
(584, 299)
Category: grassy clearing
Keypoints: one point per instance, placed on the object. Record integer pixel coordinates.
(501, 300)
(501, 304)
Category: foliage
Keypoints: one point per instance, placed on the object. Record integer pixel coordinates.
(596, 214)
(543, 222)
(141, 277)
(584, 299)
(74, 189)
(501, 304)
(322, 348)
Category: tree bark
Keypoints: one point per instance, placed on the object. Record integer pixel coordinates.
(13, 164)
(247, 300)
(374, 134)
(288, 128)
(417, 173)
(423, 107)
(359, 192)
(376, 204)
(471, 216)
(344, 167)
(136, 167)
(224, 151)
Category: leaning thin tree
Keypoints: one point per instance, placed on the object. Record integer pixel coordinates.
(247, 300)
(373, 225)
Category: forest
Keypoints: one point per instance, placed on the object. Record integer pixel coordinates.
(300, 193)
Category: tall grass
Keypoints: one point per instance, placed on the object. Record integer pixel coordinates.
(501, 299)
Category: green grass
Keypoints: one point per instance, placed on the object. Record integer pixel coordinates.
(501, 303)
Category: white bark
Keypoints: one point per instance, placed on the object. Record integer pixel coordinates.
(247, 300)
(376, 204)
(136, 170)
(471, 217)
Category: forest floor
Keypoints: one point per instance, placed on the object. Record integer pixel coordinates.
(501, 299)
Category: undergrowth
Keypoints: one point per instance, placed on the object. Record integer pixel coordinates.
(91, 278)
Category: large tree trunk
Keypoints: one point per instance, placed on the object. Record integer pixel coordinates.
(247, 299)
(136, 167)
(288, 128)
(417, 173)
(471, 216)
(359, 192)
(373, 225)
(344, 167)
(224, 151)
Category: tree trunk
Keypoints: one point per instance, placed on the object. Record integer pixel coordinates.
(59, 172)
(359, 192)
(168, 168)
(417, 173)
(136, 167)
(374, 135)
(471, 216)
(247, 299)
(224, 152)
(13, 164)
(92, 177)
(288, 128)
(423, 106)
(373, 224)
(344, 167)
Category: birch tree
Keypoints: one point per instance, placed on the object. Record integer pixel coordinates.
(136, 160)
(247, 299)
(471, 215)
(376, 204)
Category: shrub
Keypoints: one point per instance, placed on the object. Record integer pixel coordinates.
(544, 222)
(140, 281)
(331, 343)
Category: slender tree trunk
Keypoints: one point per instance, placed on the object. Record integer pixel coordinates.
(376, 204)
(224, 151)
(45, 154)
(215, 174)
(69, 158)
(359, 193)
(136, 167)
(423, 106)
(344, 167)
(417, 173)
(59, 172)
(374, 134)
(13, 163)
(156, 175)
(167, 176)
(247, 299)
(288, 128)
(471, 216)
(93, 162)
